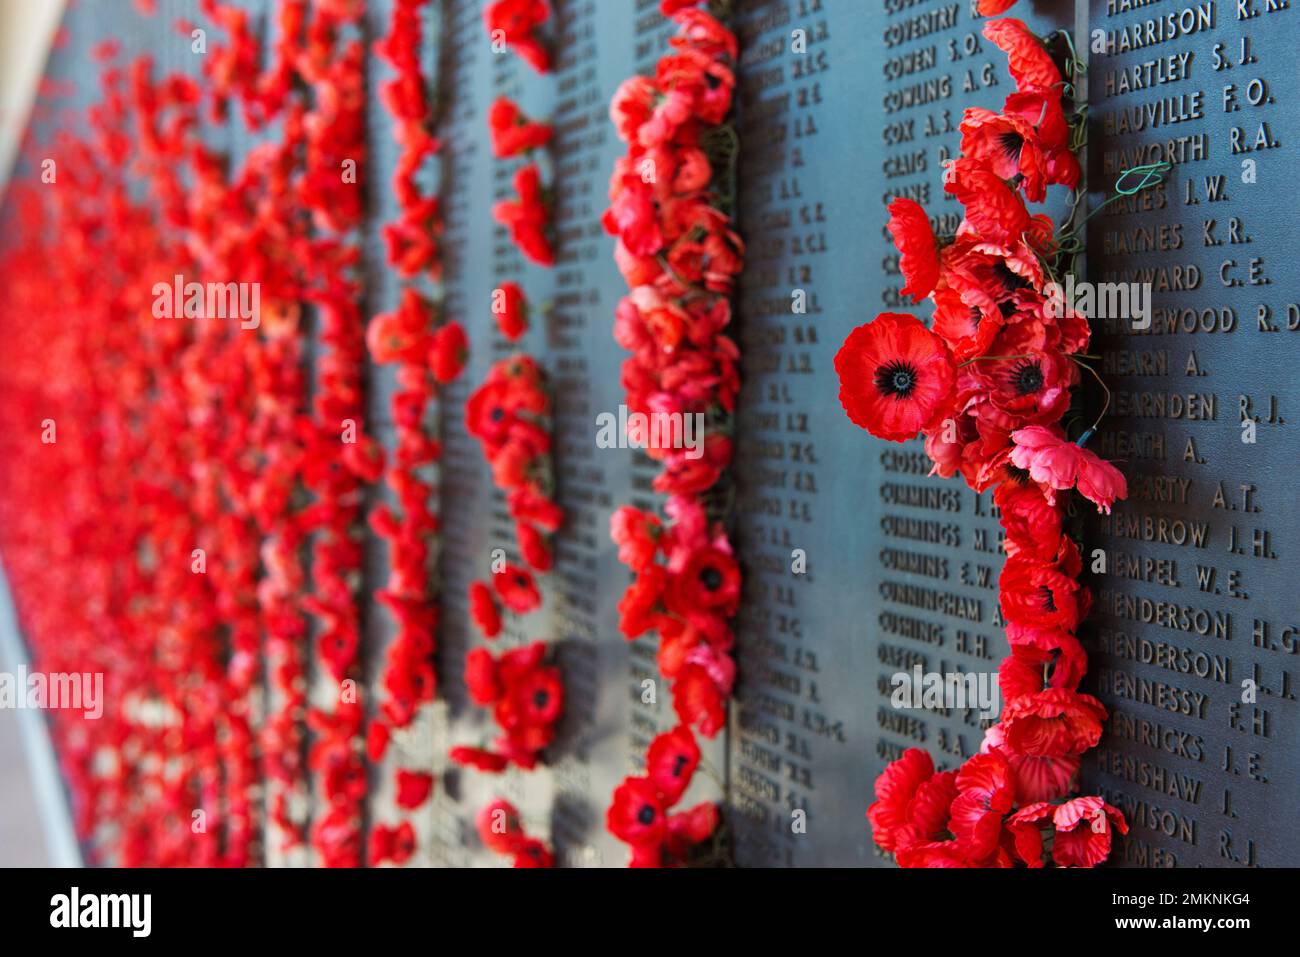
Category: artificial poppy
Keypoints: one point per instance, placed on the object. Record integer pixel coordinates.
(413, 788)
(918, 250)
(896, 377)
(671, 761)
(483, 609)
(516, 588)
(637, 814)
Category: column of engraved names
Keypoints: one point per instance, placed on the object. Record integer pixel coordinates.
(465, 190)
(583, 363)
(786, 733)
(1194, 640)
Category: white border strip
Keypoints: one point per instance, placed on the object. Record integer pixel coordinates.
(51, 798)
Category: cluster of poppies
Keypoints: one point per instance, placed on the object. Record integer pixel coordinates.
(677, 251)
(528, 215)
(642, 815)
(219, 453)
(510, 416)
(988, 384)
(526, 698)
(514, 23)
(426, 357)
(501, 831)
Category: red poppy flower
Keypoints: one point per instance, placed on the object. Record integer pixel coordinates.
(671, 762)
(709, 580)
(699, 701)
(487, 761)
(413, 788)
(933, 854)
(515, 587)
(518, 662)
(687, 830)
(912, 802)
(1028, 60)
(918, 251)
(1082, 827)
(637, 815)
(1052, 723)
(1032, 523)
(985, 793)
(1041, 108)
(636, 534)
(1029, 670)
(968, 329)
(896, 377)
(1038, 778)
(512, 132)
(483, 610)
(1043, 594)
(448, 352)
(396, 844)
(481, 676)
(516, 21)
(499, 828)
(526, 505)
(535, 698)
(1056, 463)
(510, 307)
(533, 547)
(1032, 385)
(527, 217)
(403, 334)
(364, 458)
(637, 606)
(533, 853)
(991, 8)
(633, 215)
(995, 213)
(1007, 144)
(377, 735)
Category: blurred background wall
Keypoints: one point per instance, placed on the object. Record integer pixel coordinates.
(26, 30)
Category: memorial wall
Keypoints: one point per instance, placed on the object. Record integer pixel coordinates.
(859, 564)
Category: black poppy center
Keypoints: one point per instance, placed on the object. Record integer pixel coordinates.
(646, 815)
(1011, 142)
(1049, 600)
(711, 578)
(540, 697)
(1027, 379)
(1018, 475)
(679, 765)
(497, 414)
(1009, 279)
(896, 378)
